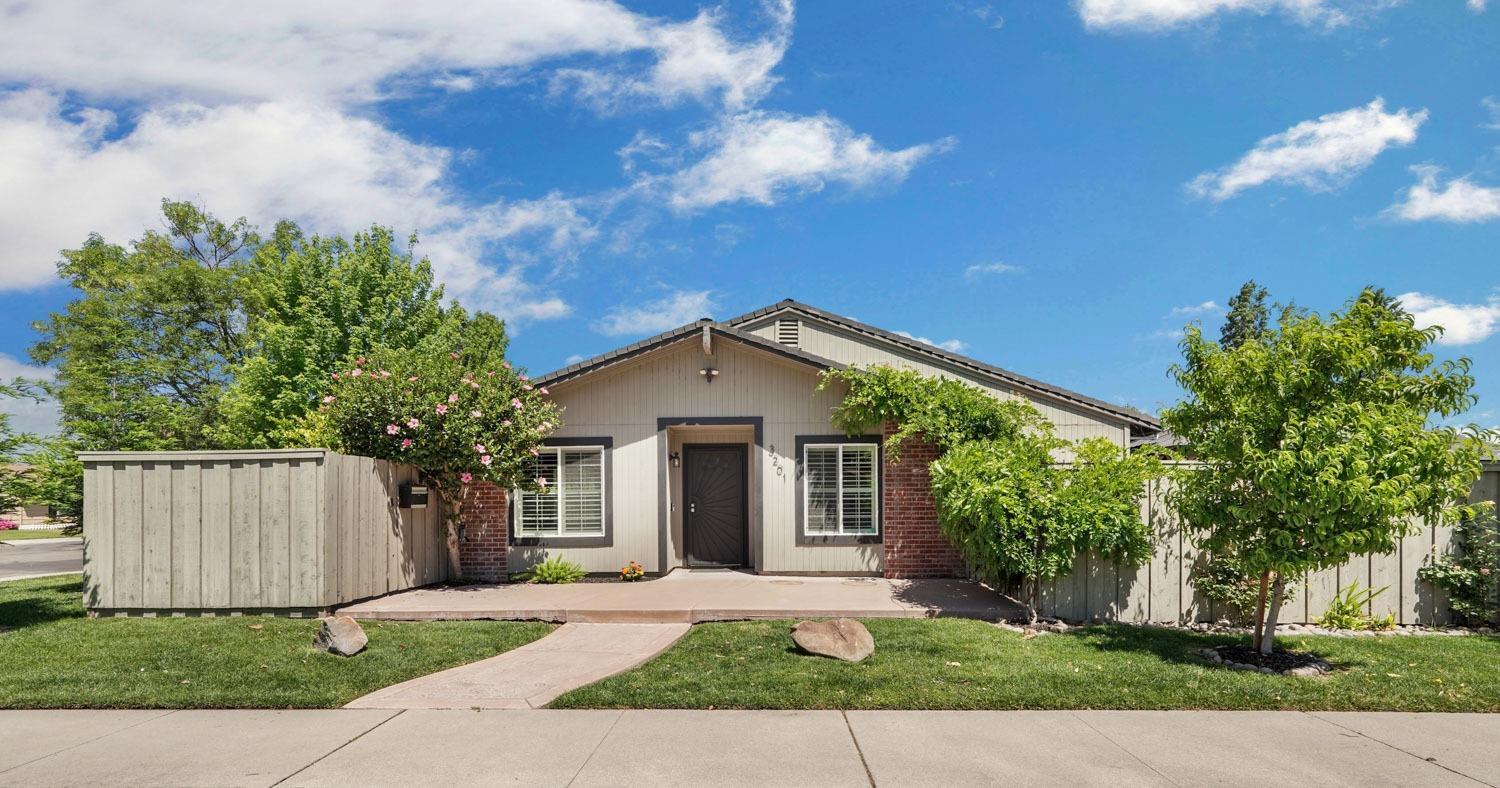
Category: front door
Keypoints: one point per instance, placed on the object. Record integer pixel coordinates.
(716, 515)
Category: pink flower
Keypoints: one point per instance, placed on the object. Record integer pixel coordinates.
(413, 423)
(384, 374)
(359, 362)
(535, 452)
(486, 460)
(466, 477)
(541, 482)
(546, 425)
(515, 403)
(412, 379)
(474, 414)
(392, 429)
(505, 364)
(479, 448)
(356, 372)
(527, 387)
(442, 409)
(473, 384)
(491, 373)
(544, 391)
(522, 377)
(453, 398)
(335, 376)
(453, 355)
(406, 443)
(328, 400)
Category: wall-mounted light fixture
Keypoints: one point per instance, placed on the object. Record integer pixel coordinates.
(675, 459)
(708, 373)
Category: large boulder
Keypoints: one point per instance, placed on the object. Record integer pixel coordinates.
(340, 635)
(841, 638)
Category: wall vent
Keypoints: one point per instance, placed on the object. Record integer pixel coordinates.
(786, 332)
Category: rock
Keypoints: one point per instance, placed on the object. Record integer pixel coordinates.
(841, 638)
(340, 635)
(1306, 670)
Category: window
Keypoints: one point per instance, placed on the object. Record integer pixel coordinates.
(574, 504)
(841, 489)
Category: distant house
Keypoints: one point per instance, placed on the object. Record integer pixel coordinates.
(37, 515)
(710, 446)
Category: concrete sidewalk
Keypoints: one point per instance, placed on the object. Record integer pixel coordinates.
(529, 677)
(691, 596)
(725, 748)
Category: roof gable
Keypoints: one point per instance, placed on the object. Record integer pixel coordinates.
(1135, 418)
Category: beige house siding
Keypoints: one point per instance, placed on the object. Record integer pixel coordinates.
(844, 346)
(251, 530)
(626, 402)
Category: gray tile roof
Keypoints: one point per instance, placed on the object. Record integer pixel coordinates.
(1135, 417)
(1141, 423)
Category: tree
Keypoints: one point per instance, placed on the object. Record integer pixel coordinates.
(1248, 318)
(54, 477)
(1012, 497)
(1317, 442)
(313, 305)
(12, 482)
(143, 353)
(446, 409)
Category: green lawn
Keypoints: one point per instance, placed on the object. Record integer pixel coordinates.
(959, 664)
(48, 533)
(53, 657)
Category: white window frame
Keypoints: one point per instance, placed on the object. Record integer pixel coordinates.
(556, 488)
(874, 449)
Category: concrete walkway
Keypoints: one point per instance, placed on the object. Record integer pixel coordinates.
(26, 558)
(691, 596)
(529, 677)
(730, 748)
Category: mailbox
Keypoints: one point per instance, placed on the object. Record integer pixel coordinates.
(413, 496)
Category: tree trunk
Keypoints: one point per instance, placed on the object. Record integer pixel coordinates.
(1260, 609)
(1268, 638)
(454, 518)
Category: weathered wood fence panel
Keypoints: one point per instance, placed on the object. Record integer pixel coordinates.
(302, 529)
(1161, 590)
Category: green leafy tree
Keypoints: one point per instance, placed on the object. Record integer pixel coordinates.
(453, 408)
(54, 477)
(1317, 443)
(313, 305)
(12, 482)
(1248, 319)
(1013, 498)
(144, 352)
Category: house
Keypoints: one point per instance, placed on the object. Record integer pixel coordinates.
(711, 446)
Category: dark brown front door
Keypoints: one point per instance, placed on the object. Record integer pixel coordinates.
(716, 514)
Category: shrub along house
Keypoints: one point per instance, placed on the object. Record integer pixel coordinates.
(711, 446)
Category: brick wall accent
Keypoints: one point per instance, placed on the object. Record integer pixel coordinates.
(914, 547)
(486, 526)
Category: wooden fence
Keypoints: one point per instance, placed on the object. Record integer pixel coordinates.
(284, 530)
(1162, 591)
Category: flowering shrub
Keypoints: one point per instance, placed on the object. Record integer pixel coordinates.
(459, 417)
(8, 525)
(632, 572)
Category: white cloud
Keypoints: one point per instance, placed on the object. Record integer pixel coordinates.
(1477, 6)
(1196, 309)
(1493, 107)
(762, 157)
(26, 415)
(1159, 15)
(984, 269)
(951, 345)
(673, 310)
(1459, 200)
(358, 51)
(1318, 154)
(1463, 324)
(310, 162)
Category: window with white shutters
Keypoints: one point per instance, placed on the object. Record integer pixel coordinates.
(841, 489)
(573, 502)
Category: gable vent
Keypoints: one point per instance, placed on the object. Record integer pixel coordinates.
(786, 332)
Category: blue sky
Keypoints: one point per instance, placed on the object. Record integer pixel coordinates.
(1053, 187)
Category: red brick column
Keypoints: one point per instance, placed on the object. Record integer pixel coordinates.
(914, 547)
(482, 548)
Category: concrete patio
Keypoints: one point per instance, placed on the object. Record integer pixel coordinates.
(692, 596)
